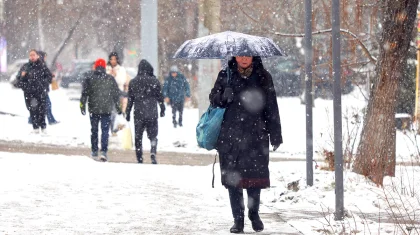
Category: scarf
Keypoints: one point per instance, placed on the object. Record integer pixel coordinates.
(245, 73)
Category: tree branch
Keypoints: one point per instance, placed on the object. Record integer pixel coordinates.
(246, 14)
(345, 31)
(67, 39)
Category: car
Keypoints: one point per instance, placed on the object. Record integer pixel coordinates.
(13, 68)
(286, 76)
(76, 75)
(12, 77)
(132, 72)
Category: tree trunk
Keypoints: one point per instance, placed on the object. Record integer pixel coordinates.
(40, 26)
(376, 150)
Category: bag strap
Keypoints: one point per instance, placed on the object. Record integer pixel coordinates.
(214, 163)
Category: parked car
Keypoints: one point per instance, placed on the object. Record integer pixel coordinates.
(12, 77)
(286, 76)
(13, 69)
(132, 72)
(75, 75)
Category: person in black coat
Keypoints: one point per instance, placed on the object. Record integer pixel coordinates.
(34, 78)
(251, 121)
(144, 92)
(50, 116)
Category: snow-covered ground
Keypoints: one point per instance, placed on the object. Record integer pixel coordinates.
(62, 194)
(55, 194)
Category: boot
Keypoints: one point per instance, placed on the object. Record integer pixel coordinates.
(256, 222)
(153, 147)
(103, 157)
(238, 226)
(153, 157)
(139, 156)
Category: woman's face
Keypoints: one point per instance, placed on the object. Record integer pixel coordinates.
(244, 61)
(33, 56)
(113, 61)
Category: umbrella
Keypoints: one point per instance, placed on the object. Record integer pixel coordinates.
(225, 44)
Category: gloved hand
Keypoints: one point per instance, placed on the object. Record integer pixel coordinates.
(82, 109)
(228, 95)
(275, 147)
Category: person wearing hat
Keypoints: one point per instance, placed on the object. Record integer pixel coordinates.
(176, 90)
(100, 91)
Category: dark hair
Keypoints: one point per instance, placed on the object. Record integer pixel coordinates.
(116, 56)
(42, 55)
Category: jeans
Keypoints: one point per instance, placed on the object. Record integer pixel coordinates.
(236, 197)
(177, 106)
(105, 120)
(50, 116)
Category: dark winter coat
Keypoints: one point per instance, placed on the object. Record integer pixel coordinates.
(101, 92)
(176, 88)
(144, 92)
(36, 80)
(250, 122)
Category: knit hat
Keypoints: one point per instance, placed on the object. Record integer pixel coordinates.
(174, 69)
(100, 62)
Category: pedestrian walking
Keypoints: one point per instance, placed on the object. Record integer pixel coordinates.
(176, 90)
(101, 93)
(251, 121)
(120, 75)
(144, 93)
(34, 78)
(50, 117)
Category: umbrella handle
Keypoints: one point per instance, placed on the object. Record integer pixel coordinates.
(228, 71)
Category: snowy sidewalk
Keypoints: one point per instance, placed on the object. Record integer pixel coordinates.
(51, 194)
(119, 155)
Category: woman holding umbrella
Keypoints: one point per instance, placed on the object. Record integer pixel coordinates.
(251, 121)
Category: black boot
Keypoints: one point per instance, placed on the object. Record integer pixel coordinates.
(153, 145)
(257, 224)
(238, 226)
(153, 158)
(139, 156)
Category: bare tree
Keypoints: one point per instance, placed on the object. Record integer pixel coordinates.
(66, 40)
(376, 151)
